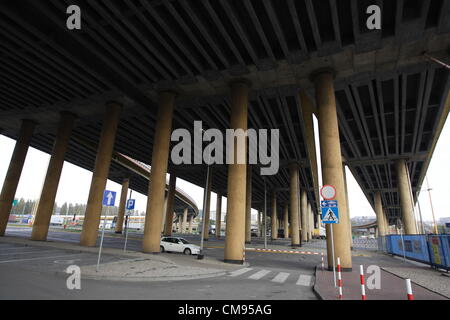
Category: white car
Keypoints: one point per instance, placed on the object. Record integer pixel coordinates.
(175, 244)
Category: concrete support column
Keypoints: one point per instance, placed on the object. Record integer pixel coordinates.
(248, 204)
(183, 225)
(169, 205)
(310, 221)
(237, 176)
(14, 171)
(49, 189)
(191, 219)
(180, 223)
(157, 184)
(332, 173)
(100, 175)
(206, 214)
(304, 215)
(406, 200)
(122, 204)
(218, 214)
(294, 205)
(381, 222)
(274, 217)
(286, 222)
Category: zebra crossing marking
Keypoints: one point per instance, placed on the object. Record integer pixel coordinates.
(240, 272)
(304, 280)
(281, 277)
(259, 274)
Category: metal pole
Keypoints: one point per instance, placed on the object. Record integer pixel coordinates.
(127, 219)
(101, 241)
(265, 214)
(332, 253)
(436, 231)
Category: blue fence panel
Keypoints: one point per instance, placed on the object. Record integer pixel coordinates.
(415, 247)
(439, 247)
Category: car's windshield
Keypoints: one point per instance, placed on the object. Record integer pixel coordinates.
(183, 241)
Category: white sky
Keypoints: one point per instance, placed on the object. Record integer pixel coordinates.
(75, 181)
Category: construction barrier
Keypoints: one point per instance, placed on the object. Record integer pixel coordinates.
(430, 249)
(283, 251)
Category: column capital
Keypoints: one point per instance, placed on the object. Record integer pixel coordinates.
(327, 70)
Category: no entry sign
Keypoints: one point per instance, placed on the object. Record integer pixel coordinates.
(328, 192)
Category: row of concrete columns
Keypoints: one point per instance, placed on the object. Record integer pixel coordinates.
(239, 179)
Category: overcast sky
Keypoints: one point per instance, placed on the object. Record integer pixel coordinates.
(75, 181)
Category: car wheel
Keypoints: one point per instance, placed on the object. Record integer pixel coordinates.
(161, 249)
(187, 251)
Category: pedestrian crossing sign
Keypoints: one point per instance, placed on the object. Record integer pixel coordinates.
(330, 215)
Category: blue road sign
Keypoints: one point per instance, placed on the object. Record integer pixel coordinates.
(130, 204)
(330, 211)
(109, 198)
(447, 225)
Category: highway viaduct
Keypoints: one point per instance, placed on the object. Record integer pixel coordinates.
(137, 70)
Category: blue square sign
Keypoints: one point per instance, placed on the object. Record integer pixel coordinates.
(330, 211)
(130, 204)
(109, 198)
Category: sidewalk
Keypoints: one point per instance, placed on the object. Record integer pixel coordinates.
(427, 284)
(137, 266)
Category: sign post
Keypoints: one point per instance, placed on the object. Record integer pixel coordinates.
(130, 206)
(109, 198)
(330, 214)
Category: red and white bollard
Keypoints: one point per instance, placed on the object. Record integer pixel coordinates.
(361, 279)
(339, 277)
(409, 289)
(323, 264)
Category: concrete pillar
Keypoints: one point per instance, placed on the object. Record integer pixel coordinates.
(294, 205)
(183, 225)
(286, 222)
(248, 204)
(169, 205)
(274, 217)
(100, 175)
(237, 175)
(332, 173)
(406, 200)
(304, 215)
(206, 214)
(122, 205)
(191, 219)
(157, 184)
(381, 223)
(14, 171)
(310, 222)
(49, 189)
(218, 214)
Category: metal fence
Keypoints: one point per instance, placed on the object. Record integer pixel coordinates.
(431, 249)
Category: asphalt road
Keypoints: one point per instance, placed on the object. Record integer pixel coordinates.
(34, 272)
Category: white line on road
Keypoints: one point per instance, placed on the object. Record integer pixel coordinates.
(17, 253)
(239, 272)
(259, 274)
(304, 280)
(40, 258)
(281, 277)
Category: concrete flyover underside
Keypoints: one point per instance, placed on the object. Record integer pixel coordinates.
(391, 102)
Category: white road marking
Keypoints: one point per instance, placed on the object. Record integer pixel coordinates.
(259, 274)
(281, 277)
(17, 253)
(40, 258)
(239, 272)
(304, 280)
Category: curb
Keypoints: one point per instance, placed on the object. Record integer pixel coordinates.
(316, 292)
